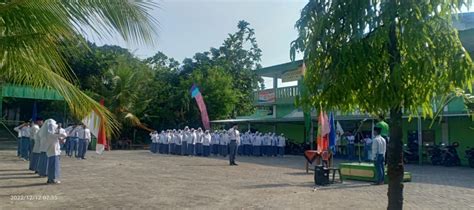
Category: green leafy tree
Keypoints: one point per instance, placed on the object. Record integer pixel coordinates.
(33, 32)
(239, 56)
(379, 56)
(217, 90)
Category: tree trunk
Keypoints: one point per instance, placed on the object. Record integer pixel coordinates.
(395, 163)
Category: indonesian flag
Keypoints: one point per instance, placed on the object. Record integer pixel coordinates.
(95, 123)
(195, 93)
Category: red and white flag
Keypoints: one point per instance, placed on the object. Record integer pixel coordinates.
(95, 123)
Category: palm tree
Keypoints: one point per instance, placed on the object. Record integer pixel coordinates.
(32, 31)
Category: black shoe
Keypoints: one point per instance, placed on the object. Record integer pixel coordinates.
(235, 164)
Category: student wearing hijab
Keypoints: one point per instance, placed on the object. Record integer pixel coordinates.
(199, 149)
(184, 142)
(206, 143)
(51, 135)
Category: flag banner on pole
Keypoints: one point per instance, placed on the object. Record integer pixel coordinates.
(323, 131)
(332, 133)
(94, 122)
(195, 93)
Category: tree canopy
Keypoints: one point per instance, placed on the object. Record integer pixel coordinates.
(382, 56)
(33, 31)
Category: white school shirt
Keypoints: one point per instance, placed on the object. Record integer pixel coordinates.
(167, 138)
(379, 146)
(33, 132)
(193, 138)
(87, 135)
(206, 139)
(350, 139)
(152, 137)
(281, 141)
(177, 139)
(23, 131)
(199, 136)
(52, 141)
(267, 141)
(187, 136)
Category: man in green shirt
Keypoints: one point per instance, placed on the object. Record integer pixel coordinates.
(384, 126)
(385, 131)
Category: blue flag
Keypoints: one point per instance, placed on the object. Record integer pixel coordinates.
(332, 133)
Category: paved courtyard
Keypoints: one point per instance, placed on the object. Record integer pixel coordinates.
(138, 179)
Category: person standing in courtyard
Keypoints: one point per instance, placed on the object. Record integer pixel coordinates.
(84, 140)
(234, 137)
(206, 143)
(378, 152)
(52, 135)
(281, 145)
(186, 139)
(24, 133)
(199, 135)
(385, 131)
(224, 142)
(35, 127)
(350, 146)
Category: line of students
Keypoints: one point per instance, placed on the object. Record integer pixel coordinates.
(199, 143)
(77, 141)
(40, 143)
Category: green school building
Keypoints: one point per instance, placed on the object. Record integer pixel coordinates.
(276, 110)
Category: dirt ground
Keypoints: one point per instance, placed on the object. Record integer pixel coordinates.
(138, 179)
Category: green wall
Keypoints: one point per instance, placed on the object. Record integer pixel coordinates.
(461, 129)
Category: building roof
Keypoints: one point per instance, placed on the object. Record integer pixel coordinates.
(278, 70)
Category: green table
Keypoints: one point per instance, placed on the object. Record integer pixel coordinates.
(364, 172)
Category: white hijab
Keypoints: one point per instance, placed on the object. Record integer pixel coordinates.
(49, 127)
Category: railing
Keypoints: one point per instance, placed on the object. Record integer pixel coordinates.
(287, 92)
(282, 95)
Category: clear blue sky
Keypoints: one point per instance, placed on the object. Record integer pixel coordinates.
(190, 26)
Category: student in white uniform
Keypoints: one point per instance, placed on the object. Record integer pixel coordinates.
(224, 141)
(52, 136)
(35, 127)
(206, 143)
(199, 149)
(192, 142)
(166, 142)
(257, 144)
(186, 140)
(161, 142)
(24, 132)
(178, 142)
(281, 145)
(234, 141)
(172, 142)
(274, 145)
(215, 143)
(73, 134)
(154, 142)
(84, 140)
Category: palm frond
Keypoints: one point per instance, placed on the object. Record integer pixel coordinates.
(31, 33)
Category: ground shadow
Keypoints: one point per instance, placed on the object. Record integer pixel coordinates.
(20, 186)
(262, 186)
(2, 170)
(17, 174)
(19, 177)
